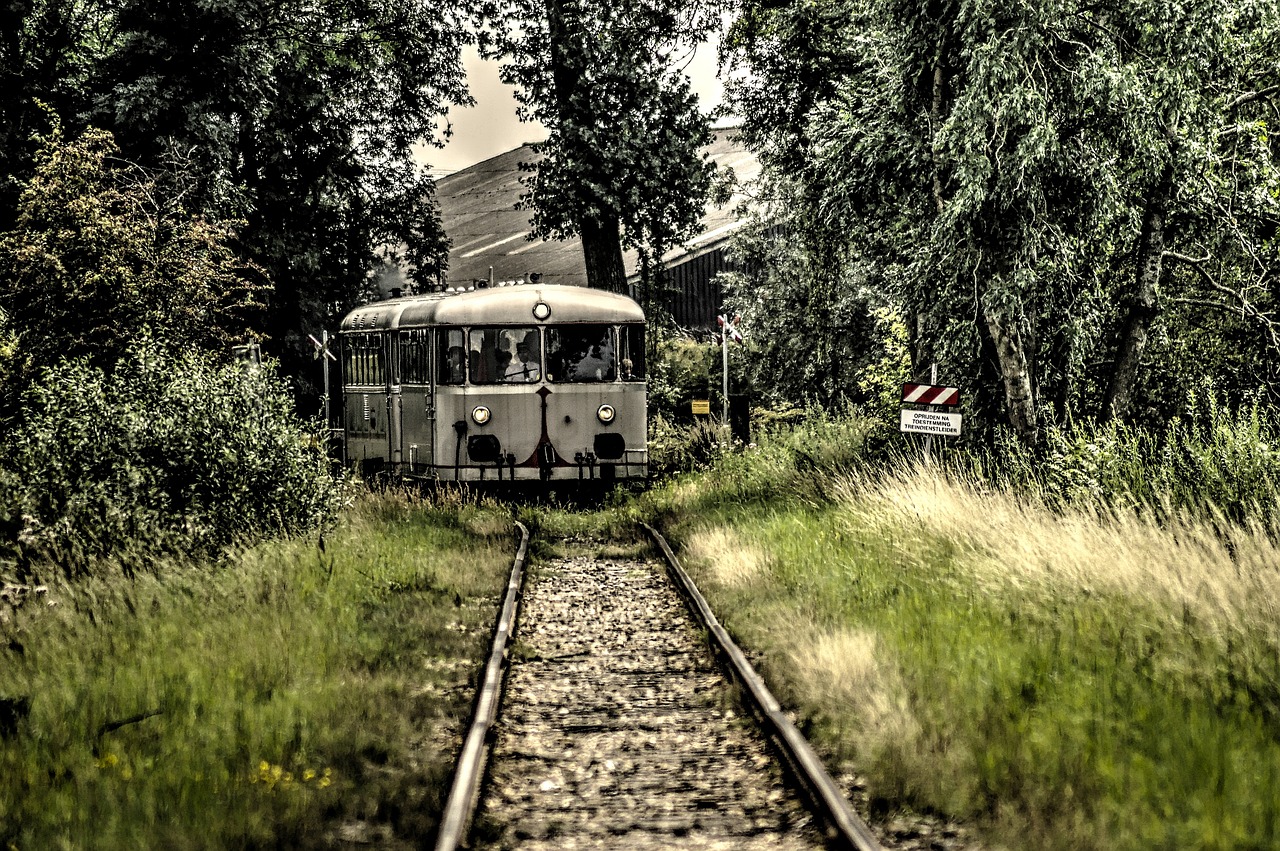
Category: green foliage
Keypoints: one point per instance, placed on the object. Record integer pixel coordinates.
(301, 119)
(992, 172)
(98, 257)
(623, 124)
(678, 447)
(881, 380)
(682, 371)
(44, 63)
(290, 696)
(795, 455)
(169, 452)
(820, 332)
(1212, 458)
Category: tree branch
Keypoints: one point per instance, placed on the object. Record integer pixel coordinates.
(1246, 307)
(1249, 97)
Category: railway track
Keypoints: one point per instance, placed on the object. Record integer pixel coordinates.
(620, 730)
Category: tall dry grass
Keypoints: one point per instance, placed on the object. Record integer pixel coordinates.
(1223, 575)
(1081, 677)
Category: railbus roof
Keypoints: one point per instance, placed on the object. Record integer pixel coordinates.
(512, 305)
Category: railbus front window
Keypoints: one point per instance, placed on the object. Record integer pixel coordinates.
(581, 353)
(505, 355)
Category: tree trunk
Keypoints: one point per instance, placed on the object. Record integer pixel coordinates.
(1015, 371)
(1142, 302)
(602, 251)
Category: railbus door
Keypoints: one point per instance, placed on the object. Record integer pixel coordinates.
(415, 400)
(395, 410)
(447, 401)
(365, 402)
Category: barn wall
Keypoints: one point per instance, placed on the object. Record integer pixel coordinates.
(695, 297)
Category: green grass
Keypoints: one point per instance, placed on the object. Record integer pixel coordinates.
(1055, 677)
(290, 696)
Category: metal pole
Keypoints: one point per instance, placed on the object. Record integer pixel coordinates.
(324, 343)
(928, 438)
(724, 350)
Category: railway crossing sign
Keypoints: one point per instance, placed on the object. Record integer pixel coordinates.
(929, 421)
(322, 348)
(930, 394)
(728, 331)
(730, 327)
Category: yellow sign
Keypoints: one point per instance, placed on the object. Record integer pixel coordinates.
(701, 406)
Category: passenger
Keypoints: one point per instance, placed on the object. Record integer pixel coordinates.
(504, 365)
(593, 367)
(523, 366)
(534, 343)
(457, 365)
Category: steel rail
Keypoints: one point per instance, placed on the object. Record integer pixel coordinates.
(464, 793)
(847, 828)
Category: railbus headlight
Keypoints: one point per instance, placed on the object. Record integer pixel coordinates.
(606, 413)
(480, 414)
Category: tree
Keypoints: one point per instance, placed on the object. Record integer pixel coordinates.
(1005, 171)
(99, 256)
(621, 165)
(302, 118)
(43, 60)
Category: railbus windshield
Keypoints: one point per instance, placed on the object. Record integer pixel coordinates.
(632, 355)
(508, 355)
(581, 353)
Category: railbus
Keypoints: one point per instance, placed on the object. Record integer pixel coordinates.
(520, 382)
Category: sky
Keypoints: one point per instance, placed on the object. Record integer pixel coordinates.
(490, 127)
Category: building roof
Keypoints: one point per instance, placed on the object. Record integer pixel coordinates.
(479, 209)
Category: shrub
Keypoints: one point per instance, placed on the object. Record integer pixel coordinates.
(679, 448)
(682, 371)
(168, 453)
(1213, 457)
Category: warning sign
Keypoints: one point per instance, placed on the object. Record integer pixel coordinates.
(930, 394)
(701, 406)
(927, 422)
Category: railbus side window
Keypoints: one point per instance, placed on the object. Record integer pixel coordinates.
(415, 354)
(363, 359)
(632, 361)
(581, 353)
(451, 356)
(377, 359)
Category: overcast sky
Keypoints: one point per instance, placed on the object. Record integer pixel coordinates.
(491, 127)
